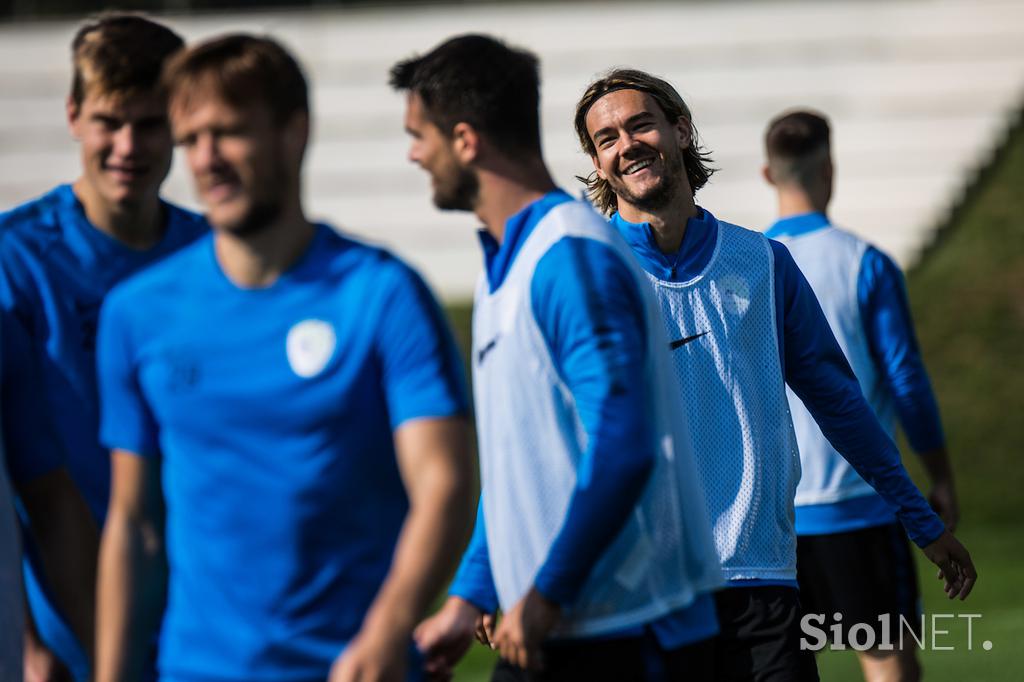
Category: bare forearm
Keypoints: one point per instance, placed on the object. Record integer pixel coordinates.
(131, 588)
(432, 538)
(63, 529)
(936, 464)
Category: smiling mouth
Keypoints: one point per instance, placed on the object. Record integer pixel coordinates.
(219, 190)
(128, 171)
(638, 166)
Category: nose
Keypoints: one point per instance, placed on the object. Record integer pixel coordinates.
(125, 140)
(414, 154)
(627, 142)
(203, 153)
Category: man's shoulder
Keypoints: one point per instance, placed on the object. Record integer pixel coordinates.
(31, 219)
(345, 254)
(576, 216)
(167, 277)
(187, 223)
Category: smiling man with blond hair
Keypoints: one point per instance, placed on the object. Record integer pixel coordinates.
(60, 254)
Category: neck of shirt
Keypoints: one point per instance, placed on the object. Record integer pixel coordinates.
(498, 257)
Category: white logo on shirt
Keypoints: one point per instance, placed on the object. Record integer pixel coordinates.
(735, 294)
(310, 345)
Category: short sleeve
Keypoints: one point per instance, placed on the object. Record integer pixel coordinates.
(126, 422)
(30, 441)
(422, 369)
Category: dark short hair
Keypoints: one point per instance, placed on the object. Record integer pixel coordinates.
(240, 69)
(794, 142)
(696, 160)
(120, 54)
(479, 80)
(796, 134)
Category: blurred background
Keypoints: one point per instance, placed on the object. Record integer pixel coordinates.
(925, 98)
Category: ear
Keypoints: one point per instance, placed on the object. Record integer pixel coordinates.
(465, 143)
(684, 133)
(766, 173)
(72, 110)
(297, 133)
(597, 167)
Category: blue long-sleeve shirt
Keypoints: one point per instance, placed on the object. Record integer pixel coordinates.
(889, 329)
(813, 365)
(589, 310)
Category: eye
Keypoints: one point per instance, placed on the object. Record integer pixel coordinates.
(107, 123)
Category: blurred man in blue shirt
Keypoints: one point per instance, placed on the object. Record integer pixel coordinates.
(59, 256)
(291, 402)
(852, 556)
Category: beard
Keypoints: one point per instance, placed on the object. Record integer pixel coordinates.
(660, 195)
(461, 193)
(258, 218)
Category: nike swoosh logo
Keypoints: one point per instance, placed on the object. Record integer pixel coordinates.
(482, 353)
(685, 340)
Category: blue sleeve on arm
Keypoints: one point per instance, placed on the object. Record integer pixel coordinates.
(820, 375)
(422, 370)
(30, 441)
(590, 312)
(126, 422)
(473, 581)
(890, 332)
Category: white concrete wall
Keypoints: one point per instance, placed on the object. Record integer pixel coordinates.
(919, 93)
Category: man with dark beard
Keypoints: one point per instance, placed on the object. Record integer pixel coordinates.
(743, 324)
(592, 534)
(300, 399)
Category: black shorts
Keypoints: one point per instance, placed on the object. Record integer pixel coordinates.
(863, 575)
(625, 659)
(759, 636)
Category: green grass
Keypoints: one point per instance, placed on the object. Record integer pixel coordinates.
(967, 295)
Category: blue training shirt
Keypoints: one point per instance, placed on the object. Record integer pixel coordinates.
(273, 410)
(55, 270)
(588, 309)
(813, 364)
(889, 328)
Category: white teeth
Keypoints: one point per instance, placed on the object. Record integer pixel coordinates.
(638, 166)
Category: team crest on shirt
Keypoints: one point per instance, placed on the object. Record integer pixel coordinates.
(310, 345)
(734, 292)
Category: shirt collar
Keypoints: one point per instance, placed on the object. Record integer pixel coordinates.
(694, 252)
(498, 258)
(796, 225)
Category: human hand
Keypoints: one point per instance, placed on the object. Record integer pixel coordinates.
(523, 629)
(373, 656)
(444, 637)
(41, 664)
(955, 565)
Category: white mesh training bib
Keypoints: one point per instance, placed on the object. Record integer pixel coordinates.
(830, 260)
(531, 441)
(725, 351)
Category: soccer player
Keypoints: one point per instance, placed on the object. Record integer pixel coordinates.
(852, 556)
(292, 400)
(59, 256)
(743, 324)
(591, 533)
